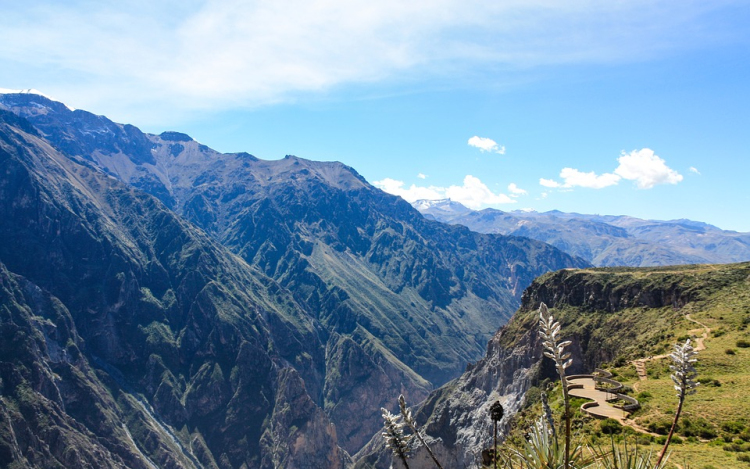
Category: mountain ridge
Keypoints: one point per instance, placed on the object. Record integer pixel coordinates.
(374, 299)
(605, 240)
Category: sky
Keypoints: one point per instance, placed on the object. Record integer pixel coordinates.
(637, 108)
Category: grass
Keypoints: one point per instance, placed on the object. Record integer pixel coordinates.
(719, 412)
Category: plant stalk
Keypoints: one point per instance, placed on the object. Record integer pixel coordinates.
(671, 430)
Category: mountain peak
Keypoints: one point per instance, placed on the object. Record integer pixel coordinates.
(32, 91)
(171, 136)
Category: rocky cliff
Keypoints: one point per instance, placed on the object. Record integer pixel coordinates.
(131, 339)
(610, 314)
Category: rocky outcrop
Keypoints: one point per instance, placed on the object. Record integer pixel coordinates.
(607, 313)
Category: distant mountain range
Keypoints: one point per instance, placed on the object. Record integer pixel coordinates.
(166, 305)
(603, 240)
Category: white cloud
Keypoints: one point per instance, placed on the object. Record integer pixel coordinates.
(411, 194)
(486, 144)
(549, 183)
(646, 169)
(218, 54)
(575, 178)
(422, 176)
(515, 190)
(641, 166)
(694, 170)
(473, 193)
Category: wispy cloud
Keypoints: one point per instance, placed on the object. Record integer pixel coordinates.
(234, 53)
(694, 170)
(486, 145)
(422, 176)
(643, 167)
(473, 193)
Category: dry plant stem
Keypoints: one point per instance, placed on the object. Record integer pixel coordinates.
(555, 350)
(671, 432)
(566, 399)
(683, 376)
(409, 420)
(395, 438)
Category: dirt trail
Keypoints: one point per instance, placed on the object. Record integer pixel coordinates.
(640, 364)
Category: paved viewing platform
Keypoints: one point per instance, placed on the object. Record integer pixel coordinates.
(582, 386)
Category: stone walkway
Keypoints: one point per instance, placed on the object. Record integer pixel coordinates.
(603, 408)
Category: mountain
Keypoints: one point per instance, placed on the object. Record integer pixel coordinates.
(131, 339)
(227, 310)
(604, 240)
(612, 316)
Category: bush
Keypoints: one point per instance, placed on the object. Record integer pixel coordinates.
(730, 351)
(660, 426)
(732, 426)
(644, 440)
(710, 382)
(745, 435)
(610, 426)
(676, 440)
(698, 428)
(742, 343)
(743, 457)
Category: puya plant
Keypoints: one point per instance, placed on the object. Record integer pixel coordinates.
(683, 375)
(554, 348)
(395, 437)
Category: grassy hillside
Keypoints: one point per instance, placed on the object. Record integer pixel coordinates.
(640, 314)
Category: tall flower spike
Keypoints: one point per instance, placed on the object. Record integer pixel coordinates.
(683, 375)
(683, 371)
(412, 423)
(394, 435)
(549, 330)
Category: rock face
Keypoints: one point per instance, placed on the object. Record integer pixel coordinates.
(109, 297)
(607, 313)
(232, 309)
(604, 240)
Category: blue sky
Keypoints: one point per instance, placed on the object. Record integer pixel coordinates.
(635, 107)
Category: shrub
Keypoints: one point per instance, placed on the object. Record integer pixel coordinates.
(661, 426)
(742, 343)
(644, 440)
(743, 457)
(698, 428)
(610, 426)
(644, 395)
(730, 351)
(710, 382)
(732, 426)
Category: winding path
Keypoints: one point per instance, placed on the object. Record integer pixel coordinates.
(602, 408)
(640, 364)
